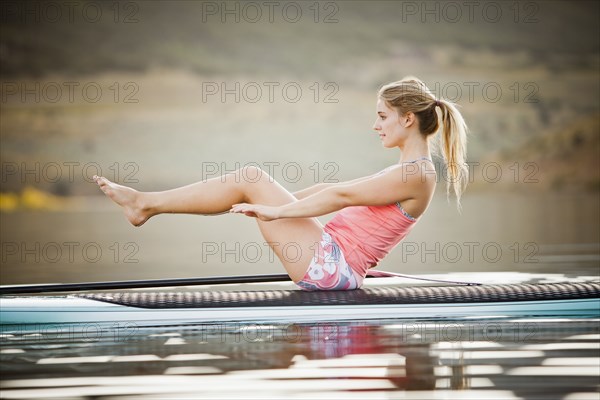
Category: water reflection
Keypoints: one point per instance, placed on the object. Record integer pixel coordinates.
(512, 357)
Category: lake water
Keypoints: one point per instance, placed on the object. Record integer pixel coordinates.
(409, 359)
(499, 358)
(526, 232)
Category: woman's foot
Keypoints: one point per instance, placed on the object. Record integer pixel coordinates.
(126, 197)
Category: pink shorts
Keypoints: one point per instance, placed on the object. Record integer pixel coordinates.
(329, 270)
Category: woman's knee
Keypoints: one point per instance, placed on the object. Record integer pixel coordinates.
(260, 187)
(252, 175)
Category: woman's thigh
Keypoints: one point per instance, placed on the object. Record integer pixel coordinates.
(293, 240)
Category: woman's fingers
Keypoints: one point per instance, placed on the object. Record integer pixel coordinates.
(236, 207)
(253, 210)
(246, 209)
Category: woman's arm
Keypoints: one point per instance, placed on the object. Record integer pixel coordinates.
(377, 190)
(320, 203)
(301, 194)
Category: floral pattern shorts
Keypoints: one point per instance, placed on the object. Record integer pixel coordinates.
(328, 269)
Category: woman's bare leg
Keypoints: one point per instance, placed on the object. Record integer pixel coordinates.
(212, 196)
(292, 239)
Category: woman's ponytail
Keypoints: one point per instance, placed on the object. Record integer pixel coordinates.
(454, 148)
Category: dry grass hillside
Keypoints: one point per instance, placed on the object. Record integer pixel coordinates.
(545, 67)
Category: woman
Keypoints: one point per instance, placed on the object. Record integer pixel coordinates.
(377, 211)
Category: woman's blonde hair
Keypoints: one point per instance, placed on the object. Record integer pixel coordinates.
(412, 95)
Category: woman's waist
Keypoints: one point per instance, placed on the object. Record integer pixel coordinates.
(373, 241)
(360, 255)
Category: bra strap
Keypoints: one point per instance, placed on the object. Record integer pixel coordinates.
(419, 159)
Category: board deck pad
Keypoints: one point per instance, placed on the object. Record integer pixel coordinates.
(366, 296)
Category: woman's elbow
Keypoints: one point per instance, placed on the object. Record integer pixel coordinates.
(343, 197)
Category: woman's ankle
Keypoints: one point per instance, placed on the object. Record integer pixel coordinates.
(147, 203)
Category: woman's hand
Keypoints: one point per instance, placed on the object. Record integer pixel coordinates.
(264, 213)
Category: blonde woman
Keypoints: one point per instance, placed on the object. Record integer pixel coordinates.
(374, 213)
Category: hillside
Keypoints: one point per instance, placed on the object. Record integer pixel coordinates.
(183, 34)
(543, 57)
(566, 159)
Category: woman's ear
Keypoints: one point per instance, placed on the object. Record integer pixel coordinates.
(408, 119)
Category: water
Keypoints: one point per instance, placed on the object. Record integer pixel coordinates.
(420, 359)
(526, 232)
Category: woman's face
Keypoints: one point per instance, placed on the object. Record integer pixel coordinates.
(389, 125)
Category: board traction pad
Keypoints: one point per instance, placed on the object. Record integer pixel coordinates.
(366, 296)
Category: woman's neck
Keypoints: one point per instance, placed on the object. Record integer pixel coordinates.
(414, 149)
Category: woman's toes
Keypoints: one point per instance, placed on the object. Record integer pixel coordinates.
(101, 181)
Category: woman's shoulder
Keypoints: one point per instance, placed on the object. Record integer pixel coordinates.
(426, 167)
(419, 178)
